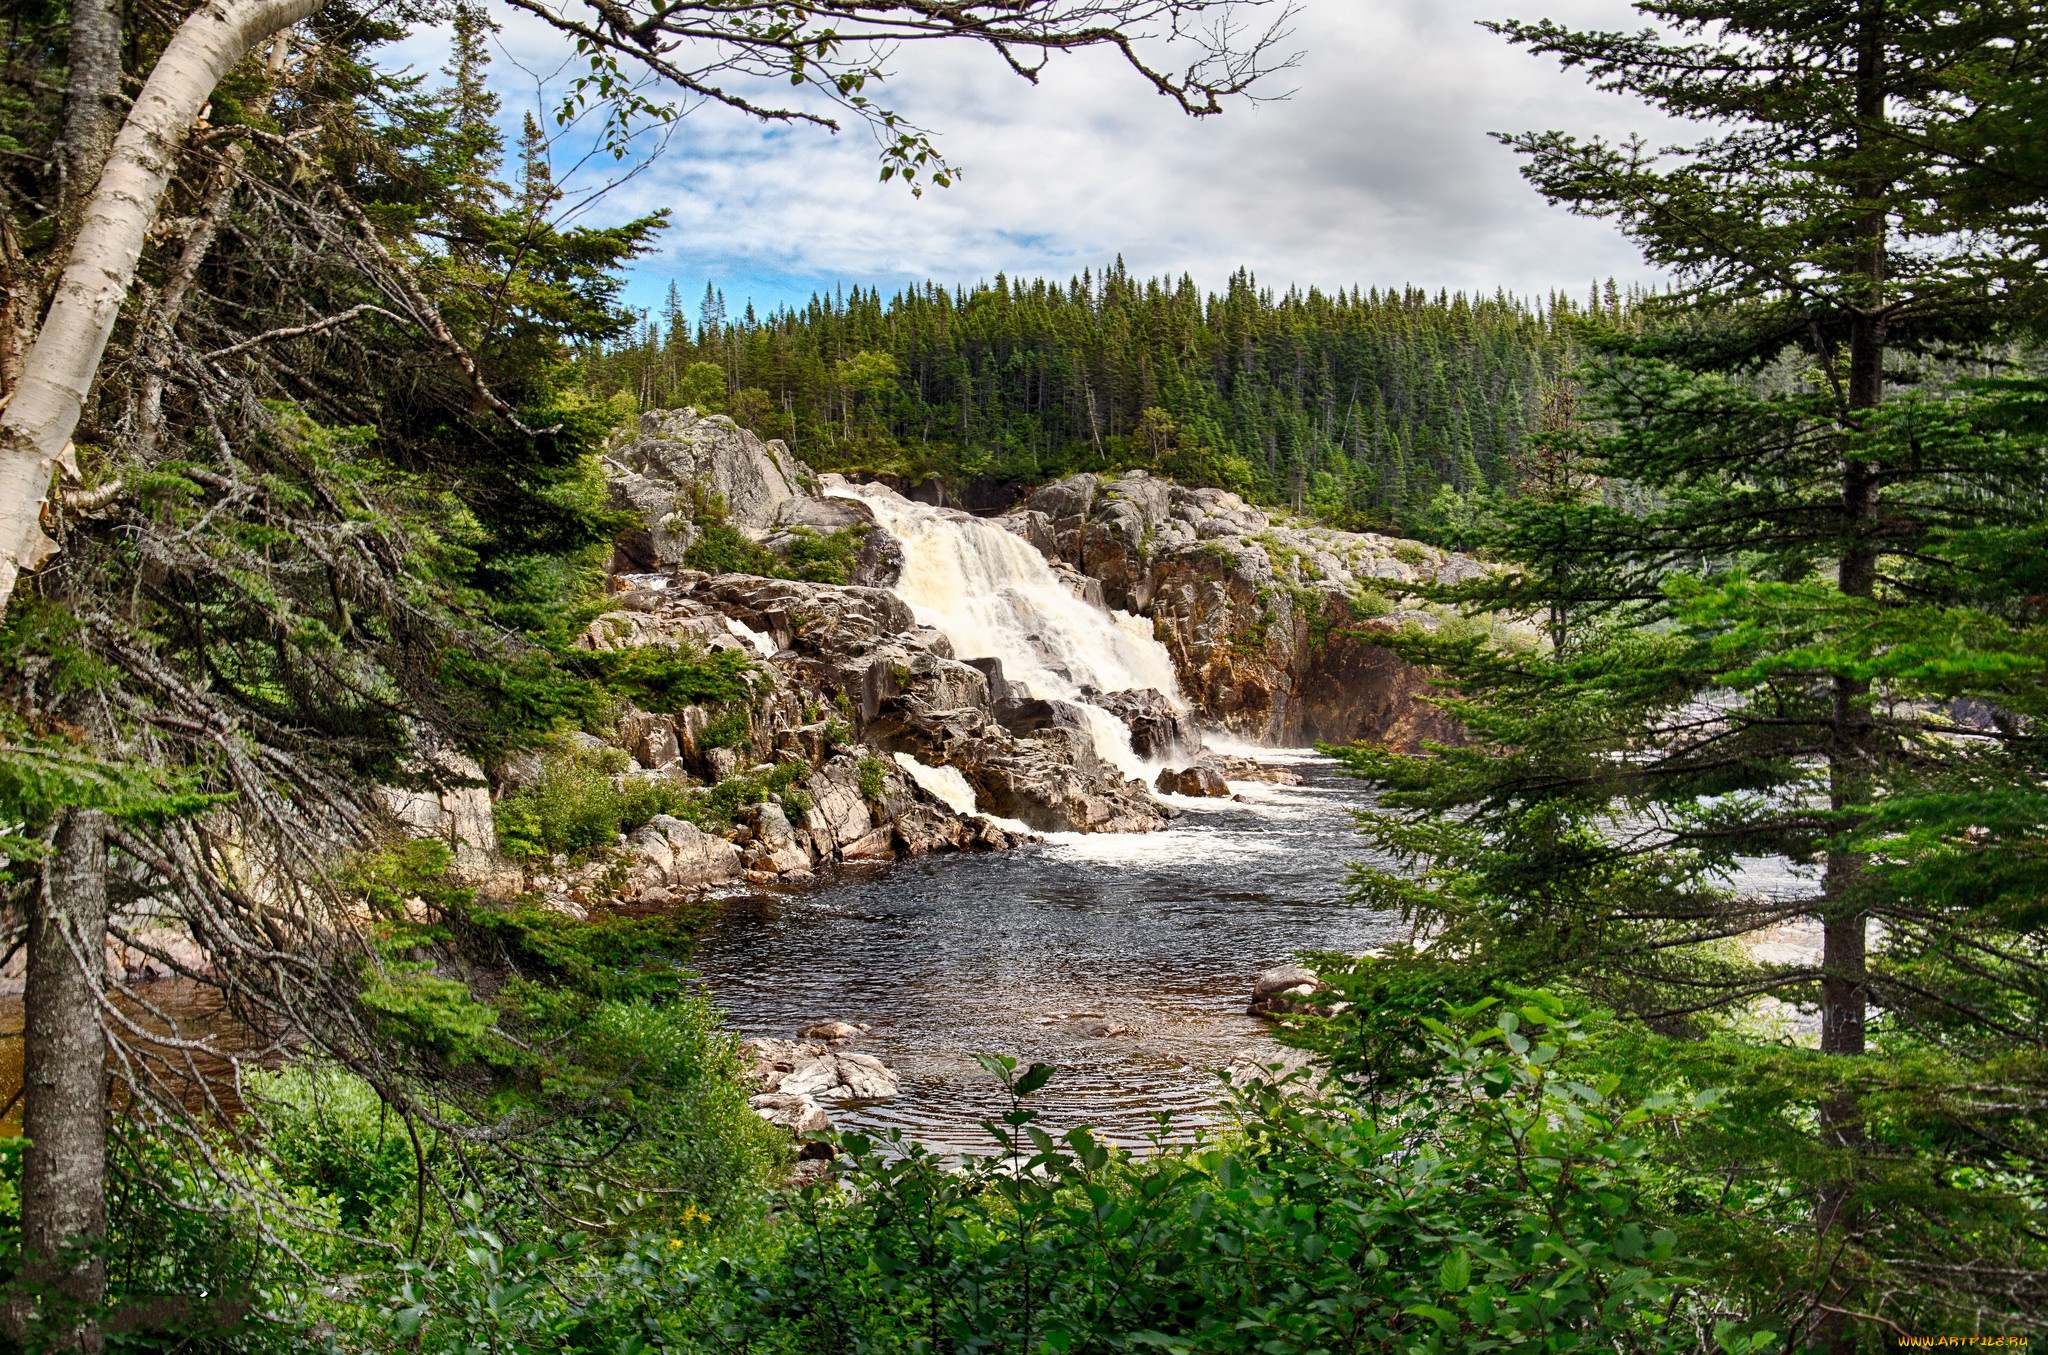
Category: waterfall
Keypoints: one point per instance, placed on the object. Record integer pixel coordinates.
(993, 596)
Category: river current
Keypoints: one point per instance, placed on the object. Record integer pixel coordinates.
(1160, 933)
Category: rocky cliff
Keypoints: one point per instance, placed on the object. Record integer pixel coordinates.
(1273, 626)
(867, 737)
(855, 660)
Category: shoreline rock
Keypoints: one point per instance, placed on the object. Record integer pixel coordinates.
(1287, 990)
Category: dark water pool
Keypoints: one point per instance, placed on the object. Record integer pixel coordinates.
(950, 956)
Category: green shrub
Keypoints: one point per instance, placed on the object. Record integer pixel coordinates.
(874, 775)
(331, 1135)
(1501, 1206)
(728, 797)
(826, 558)
(1368, 604)
(721, 549)
(574, 806)
(665, 680)
(730, 730)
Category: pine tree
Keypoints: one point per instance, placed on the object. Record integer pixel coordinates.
(474, 152)
(1799, 559)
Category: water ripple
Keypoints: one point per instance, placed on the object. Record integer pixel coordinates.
(950, 956)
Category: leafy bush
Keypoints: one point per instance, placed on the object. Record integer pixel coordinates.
(1368, 604)
(575, 806)
(730, 730)
(665, 680)
(723, 549)
(873, 777)
(1500, 1206)
(333, 1137)
(823, 558)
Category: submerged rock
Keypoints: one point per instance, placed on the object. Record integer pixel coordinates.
(834, 1032)
(1095, 1027)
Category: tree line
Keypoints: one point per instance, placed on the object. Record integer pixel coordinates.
(1360, 406)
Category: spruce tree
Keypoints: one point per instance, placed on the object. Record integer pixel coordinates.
(1790, 618)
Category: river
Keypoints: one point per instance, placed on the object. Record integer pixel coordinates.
(1163, 933)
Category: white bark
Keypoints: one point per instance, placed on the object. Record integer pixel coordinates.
(36, 427)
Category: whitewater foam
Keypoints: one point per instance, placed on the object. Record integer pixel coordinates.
(944, 782)
(951, 787)
(759, 643)
(993, 596)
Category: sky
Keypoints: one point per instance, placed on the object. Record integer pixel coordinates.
(1376, 170)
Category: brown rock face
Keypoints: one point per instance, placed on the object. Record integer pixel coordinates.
(1271, 626)
(1195, 781)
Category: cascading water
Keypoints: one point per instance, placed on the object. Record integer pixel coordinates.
(993, 596)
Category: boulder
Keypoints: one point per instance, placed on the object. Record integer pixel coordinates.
(1029, 715)
(839, 816)
(800, 1115)
(999, 687)
(1160, 730)
(922, 829)
(879, 845)
(677, 449)
(1195, 781)
(677, 856)
(842, 1076)
(1284, 990)
(1245, 769)
(651, 739)
(834, 1032)
(771, 1059)
(790, 858)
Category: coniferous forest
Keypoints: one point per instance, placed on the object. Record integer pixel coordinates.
(1358, 407)
(402, 698)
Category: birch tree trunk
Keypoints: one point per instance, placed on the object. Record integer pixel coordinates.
(36, 427)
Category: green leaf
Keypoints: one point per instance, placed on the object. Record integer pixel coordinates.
(1036, 1076)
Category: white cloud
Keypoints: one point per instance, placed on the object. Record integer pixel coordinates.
(1378, 171)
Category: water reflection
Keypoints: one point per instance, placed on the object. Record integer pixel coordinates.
(949, 956)
(200, 1015)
